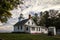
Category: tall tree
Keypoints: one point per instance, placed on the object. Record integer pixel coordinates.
(44, 19)
(5, 7)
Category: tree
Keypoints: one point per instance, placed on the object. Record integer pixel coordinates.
(57, 21)
(44, 19)
(35, 18)
(48, 20)
(5, 7)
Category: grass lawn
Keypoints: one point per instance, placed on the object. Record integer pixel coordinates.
(17, 36)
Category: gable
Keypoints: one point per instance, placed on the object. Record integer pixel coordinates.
(30, 22)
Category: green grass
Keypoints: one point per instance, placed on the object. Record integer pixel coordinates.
(17, 36)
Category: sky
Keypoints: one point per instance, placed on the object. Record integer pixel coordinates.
(29, 7)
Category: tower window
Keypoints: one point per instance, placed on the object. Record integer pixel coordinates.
(28, 22)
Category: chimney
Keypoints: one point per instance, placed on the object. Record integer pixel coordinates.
(29, 16)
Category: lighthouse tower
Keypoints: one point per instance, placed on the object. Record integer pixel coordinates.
(21, 17)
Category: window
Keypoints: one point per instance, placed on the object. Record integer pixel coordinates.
(18, 27)
(39, 28)
(33, 28)
(27, 28)
(32, 23)
(21, 27)
(45, 29)
(28, 22)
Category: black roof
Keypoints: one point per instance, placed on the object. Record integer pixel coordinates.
(21, 22)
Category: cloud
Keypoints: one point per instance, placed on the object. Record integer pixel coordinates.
(6, 28)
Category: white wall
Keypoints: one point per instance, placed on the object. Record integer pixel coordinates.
(44, 31)
(22, 29)
(18, 30)
(35, 31)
